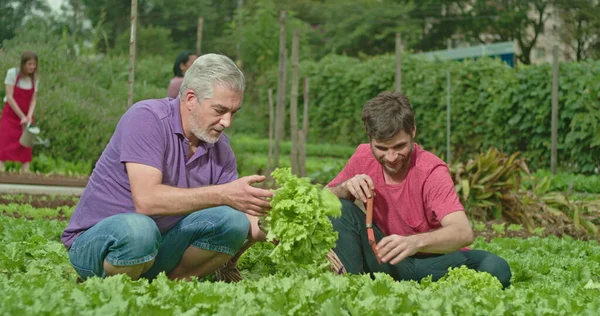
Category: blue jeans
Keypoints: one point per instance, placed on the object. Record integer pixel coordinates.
(131, 239)
(355, 253)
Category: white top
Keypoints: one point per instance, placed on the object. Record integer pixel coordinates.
(24, 82)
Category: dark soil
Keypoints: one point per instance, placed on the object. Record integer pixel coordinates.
(42, 179)
(60, 217)
(38, 201)
(490, 233)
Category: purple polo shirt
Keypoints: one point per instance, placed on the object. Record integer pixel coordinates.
(149, 133)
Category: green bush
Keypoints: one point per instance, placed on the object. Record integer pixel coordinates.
(81, 98)
(151, 41)
(567, 182)
(492, 105)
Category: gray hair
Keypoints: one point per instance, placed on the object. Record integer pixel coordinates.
(212, 70)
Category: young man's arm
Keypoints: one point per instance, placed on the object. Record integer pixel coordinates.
(350, 185)
(454, 234)
(441, 199)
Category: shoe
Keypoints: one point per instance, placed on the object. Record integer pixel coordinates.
(228, 273)
(336, 265)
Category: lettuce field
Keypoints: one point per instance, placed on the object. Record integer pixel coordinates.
(551, 276)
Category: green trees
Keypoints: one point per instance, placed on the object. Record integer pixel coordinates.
(14, 13)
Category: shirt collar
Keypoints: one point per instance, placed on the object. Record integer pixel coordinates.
(176, 117)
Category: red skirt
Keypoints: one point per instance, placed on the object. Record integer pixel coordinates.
(10, 133)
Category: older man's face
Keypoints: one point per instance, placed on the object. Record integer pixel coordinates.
(212, 116)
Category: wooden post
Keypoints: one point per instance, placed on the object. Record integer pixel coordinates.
(280, 111)
(240, 23)
(132, 52)
(448, 152)
(554, 123)
(398, 63)
(268, 169)
(294, 104)
(199, 36)
(304, 132)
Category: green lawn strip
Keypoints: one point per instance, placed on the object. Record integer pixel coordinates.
(550, 276)
(318, 169)
(242, 144)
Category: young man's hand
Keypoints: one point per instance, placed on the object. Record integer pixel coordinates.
(395, 248)
(360, 186)
(242, 196)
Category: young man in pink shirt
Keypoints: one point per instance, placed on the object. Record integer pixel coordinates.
(420, 225)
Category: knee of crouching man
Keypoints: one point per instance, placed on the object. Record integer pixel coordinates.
(235, 227)
(142, 232)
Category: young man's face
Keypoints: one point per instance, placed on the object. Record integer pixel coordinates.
(210, 117)
(393, 154)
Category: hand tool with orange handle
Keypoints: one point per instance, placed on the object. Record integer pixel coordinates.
(370, 234)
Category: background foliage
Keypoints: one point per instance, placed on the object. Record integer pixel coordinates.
(492, 104)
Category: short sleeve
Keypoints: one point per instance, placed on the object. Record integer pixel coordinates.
(11, 77)
(229, 172)
(348, 172)
(174, 86)
(439, 193)
(141, 138)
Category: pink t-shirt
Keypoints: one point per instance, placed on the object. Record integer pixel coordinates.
(174, 86)
(418, 204)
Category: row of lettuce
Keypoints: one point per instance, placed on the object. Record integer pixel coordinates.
(36, 278)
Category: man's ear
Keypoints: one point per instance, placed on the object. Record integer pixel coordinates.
(414, 132)
(190, 99)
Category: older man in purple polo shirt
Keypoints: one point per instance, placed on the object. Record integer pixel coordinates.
(165, 196)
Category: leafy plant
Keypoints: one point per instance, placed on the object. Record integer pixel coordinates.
(539, 230)
(515, 227)
(479, 226)
(32, 260)
(490, 188)
(499, 228)
(487, 183)
(299, 220)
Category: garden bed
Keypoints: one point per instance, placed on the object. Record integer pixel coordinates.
(42, 179)
(488, 230)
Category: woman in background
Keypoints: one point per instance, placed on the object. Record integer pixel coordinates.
(21, 91)
(183, 61)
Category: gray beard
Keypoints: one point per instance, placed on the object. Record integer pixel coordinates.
(202, 134)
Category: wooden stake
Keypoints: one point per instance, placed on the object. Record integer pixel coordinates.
(304, 132)
(132, 52)
(268, 169)
(240, 25)
(554, 123)
(280, 111)
(398, 63)
(448, 108)
(199, 36)
(294, 104)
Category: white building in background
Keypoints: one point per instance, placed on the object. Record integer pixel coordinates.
(540, 53)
